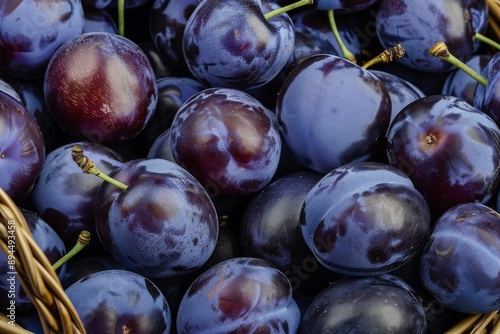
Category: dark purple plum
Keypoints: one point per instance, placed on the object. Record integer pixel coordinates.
(270, 229)
(64, 196)
(32, 30)
(10, 283)
(332, 112)
(377, 305)
(227, 140)
(402, 92)
(163, 225)
(459, 264)
(101, 87)
(239, 295)
(167, 21)
(365, 218)
(462, 85)
(449, 149)
(22, 148)
(231, 44)
(418, 25)
(120, 301)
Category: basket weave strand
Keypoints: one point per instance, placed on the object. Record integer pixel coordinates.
(36, 276)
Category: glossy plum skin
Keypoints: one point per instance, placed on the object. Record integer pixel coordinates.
(326, 125)
(101, 87)
(64, 196)
(163, 225)
(231, 44)
(239, 295)
(449, 149)
(31, 31)
(459, 264)
(120, 301)
(365, 218)
(50, 244)
(227, 140)
(270, 229)
(378, 305)
(418, 25)
(22, 148)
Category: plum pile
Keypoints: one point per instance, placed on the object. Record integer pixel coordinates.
(259, 173)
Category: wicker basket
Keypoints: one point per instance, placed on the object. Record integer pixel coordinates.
(35, 274)
(55, 310)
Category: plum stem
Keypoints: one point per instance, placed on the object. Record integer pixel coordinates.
(345, 51)
(386, 56)
(487, 40)
(440, 50)
(82, 241)
(287, 8)
(88, 167)
(121, 17)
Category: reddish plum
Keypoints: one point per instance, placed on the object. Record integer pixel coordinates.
(101, 87)
(240, 295)
(227, 140)
(448, 148)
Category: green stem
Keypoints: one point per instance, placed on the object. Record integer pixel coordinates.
(440, 50)
(121, 17)
(83, 240)
(88, 167)
(487, 40)
(345, 52)
(388, 55)
(287, 8)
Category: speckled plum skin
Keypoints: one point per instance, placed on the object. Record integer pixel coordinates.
(120, 301)
(231, 44)
(22, 148)
(449, 149)
(163, 225)
(378, 305)
(418, 25)
(32, 30)
(101, 87)
(365, 218)
(227, 140)
(459, 264)
(239, 295)
(332, 112)
(64, 196)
